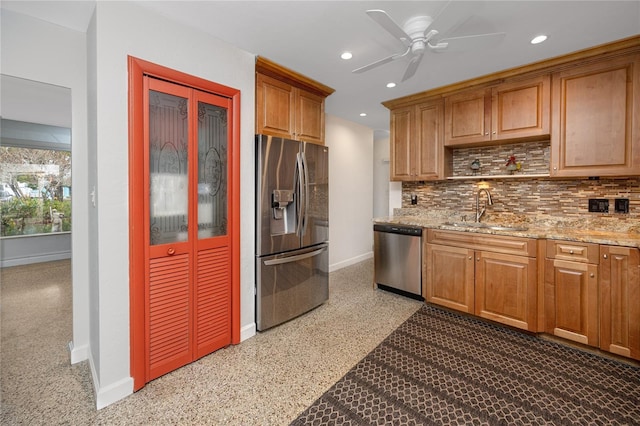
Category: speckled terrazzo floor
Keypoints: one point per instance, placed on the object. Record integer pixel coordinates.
(266, 380)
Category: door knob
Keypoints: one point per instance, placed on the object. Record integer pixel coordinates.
(171, 251)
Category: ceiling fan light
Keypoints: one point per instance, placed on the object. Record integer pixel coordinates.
(346, 55)
(391, 85)
(538, 39)
(363, 114)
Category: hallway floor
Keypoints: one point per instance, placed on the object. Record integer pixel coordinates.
(266, 380)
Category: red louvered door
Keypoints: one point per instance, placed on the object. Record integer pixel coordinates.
(188, 285)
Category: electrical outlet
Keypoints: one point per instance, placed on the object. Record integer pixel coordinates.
(598, 205)
(622, 205)
(414, 199)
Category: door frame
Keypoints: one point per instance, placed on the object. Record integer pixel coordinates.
(138, 68)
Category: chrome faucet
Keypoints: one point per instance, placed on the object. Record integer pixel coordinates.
(479, 212)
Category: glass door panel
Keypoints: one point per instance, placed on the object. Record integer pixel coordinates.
(168, 168)
(213, 137)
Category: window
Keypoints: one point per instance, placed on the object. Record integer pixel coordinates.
(35, 186)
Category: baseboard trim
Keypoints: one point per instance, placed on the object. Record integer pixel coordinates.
(247, 331)
(109, 394)
(78, 353)
(349, 262)
(35, 259)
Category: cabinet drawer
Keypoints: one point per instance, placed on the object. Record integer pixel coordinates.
(487, 242)
(574, 251)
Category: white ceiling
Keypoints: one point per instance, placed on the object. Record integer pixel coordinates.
(308, 37)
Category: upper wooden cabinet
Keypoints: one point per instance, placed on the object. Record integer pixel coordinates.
(288, 104)
(595, 129)
(509, 111)
(417, 150)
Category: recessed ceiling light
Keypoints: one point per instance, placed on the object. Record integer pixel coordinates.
(363, 114)
(346, 55)
(538, 39)
(390, 85)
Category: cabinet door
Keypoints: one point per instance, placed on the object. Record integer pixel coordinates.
(429, 155)
(402, 120)
(595, 131)
(275, 107)
(309, 117)
(620, 301)
(571, 300)
(521, 109)
(506, 289)
(450, 276)
(468, 118)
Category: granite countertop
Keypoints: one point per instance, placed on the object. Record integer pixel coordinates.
(609, 231)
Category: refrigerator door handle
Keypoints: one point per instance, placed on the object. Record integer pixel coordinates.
(294, 258)
(305, 220)
(302, 184)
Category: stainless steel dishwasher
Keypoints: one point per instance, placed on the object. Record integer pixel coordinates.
(397, 255)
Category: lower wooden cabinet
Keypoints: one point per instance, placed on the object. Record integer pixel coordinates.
(491, 276)
(450, 277)
(586, 293)
(506, 289)
(620, 300)
(571, 300)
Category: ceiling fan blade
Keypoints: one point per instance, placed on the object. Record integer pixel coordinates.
(412, 68)
(472, 42)
(385, 21)
(377, 63)
(453, 15)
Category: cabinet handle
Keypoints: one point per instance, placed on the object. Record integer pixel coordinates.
(478, 259)
(486, 134)
(469, 257)
(605, 256)
(171, 251)
(592, 275)
(494, 133)
(570, 251)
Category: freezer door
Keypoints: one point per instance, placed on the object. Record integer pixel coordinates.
(291, 284)
(278, 162)
(315, 225)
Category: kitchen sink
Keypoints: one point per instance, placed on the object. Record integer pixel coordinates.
(481, 225)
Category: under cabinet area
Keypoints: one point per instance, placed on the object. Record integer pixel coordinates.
(491, 276)
(288, 104)
(509, 111)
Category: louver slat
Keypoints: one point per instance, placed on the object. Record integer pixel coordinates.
(213, 316)
(169, 315)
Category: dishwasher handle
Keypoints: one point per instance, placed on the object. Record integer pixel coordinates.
(398, 229)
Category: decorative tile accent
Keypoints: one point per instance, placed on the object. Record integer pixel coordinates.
(533, 156)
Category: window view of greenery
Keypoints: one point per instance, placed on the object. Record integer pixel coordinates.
(35, 192)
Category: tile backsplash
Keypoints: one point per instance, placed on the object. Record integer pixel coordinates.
(524, 196)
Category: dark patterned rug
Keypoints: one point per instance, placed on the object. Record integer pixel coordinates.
(443, 368)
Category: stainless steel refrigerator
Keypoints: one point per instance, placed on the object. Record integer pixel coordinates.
(292, 229)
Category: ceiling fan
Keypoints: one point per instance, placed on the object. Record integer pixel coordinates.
(420, 33)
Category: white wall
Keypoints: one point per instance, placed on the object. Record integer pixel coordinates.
(120, 29)
(35, 50)
(350, 192)
(381, 173)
